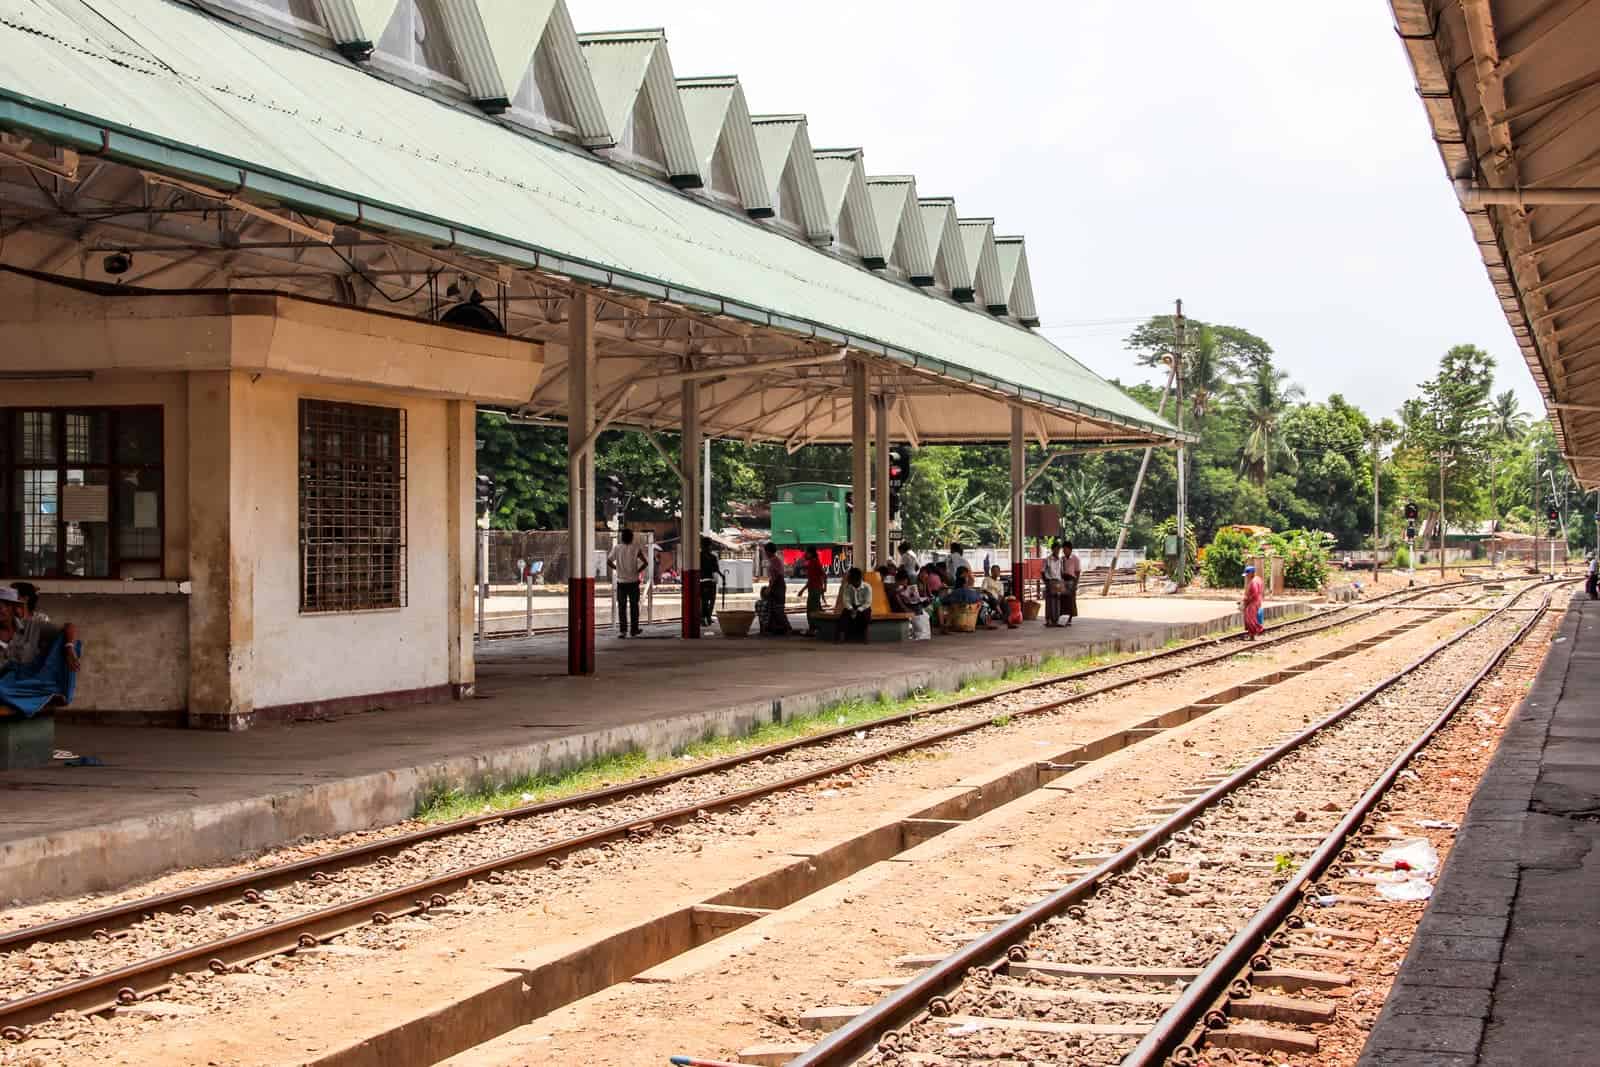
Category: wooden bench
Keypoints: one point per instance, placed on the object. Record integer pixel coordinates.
(886, 625)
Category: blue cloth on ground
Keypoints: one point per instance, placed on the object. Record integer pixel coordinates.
(29, 688)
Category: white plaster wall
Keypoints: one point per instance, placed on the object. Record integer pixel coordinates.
(300, 658)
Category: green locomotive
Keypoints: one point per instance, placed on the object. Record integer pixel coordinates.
(812, 515)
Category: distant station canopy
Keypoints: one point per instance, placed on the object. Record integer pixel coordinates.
(1511, 91)
(303, 231)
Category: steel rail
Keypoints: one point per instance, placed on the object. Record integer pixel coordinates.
(1199, 999)
(856, 1037)
(133, 982)
(104, 921)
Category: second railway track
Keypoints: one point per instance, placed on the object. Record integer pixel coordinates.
(328, 894)
(1159, 944)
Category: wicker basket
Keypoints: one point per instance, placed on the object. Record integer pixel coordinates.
(735, 623)
(961, 618)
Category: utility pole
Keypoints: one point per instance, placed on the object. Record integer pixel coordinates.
(705, 482)
(1181, 576)
(1533, 505)
(1374, 507)
(1133, 498)
(1442, 455)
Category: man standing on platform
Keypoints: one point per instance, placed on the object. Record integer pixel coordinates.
(1053, 585)
(957, 559)
(908, 559)
(628, 561)
(1071, 567)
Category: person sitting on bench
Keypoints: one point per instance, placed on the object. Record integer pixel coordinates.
(855, 608)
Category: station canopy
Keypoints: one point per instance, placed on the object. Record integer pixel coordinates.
(419, 150)
(1512, 93)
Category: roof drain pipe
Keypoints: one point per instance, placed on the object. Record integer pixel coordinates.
(1473, 196)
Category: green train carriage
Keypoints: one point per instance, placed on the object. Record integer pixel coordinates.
(812, 515)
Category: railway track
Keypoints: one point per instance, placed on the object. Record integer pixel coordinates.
(1204, 925)
(221, 925)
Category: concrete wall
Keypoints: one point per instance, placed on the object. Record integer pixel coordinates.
(304, 658)
(136, 644)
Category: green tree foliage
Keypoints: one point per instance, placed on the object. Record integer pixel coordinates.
(1265, 400)
(1265, 456)
(1225, 557)
(1090, 509)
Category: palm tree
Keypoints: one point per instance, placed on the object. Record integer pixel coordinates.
(1206, 373)
(1507, 421)
(1265, 399)
(1089, 507)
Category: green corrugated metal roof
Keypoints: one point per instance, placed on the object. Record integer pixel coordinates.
(184, 93)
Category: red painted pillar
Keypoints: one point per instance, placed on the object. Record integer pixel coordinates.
(580, 625)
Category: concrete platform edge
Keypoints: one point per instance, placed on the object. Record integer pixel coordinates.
(116, 854)
(1443, 1003)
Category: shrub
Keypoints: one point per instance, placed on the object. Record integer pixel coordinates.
(1225, 556)
(1402, 558)
(1305, 558)
(1158, 543)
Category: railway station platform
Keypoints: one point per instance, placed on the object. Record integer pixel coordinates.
(1503, 968)
(162, 799)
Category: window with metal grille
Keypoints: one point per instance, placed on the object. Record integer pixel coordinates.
(81, 492)
(352, 507)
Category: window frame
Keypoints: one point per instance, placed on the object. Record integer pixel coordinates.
(12, 464)
(400, 463)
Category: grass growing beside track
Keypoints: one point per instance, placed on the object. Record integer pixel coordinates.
(446, 804)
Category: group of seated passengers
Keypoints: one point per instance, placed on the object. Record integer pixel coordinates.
(27, 640)
(933, 588)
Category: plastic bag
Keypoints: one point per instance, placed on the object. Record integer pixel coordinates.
(921, 630)
(1410, 889)
(1417, 855)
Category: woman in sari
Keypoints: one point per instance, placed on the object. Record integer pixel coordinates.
(1252, 603)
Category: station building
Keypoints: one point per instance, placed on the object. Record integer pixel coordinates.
(261, 261)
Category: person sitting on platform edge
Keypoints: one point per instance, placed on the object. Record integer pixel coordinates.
(964, 592)
(40, 662)
(908, 594)
(855, 608)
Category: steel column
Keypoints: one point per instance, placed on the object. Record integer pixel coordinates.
(580, 483)
(861, 478)
(1019, 492)
(880, 460)
(689, 527)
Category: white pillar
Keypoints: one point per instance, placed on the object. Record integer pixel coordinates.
(223, 532)
(880, 478)
(1019, 455)
(461, 470)
(580, 484)
(689, 525)
(861, 480)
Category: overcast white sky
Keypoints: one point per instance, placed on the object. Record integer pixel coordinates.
(1267, 162)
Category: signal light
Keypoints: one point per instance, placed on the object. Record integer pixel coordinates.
(1411, 512)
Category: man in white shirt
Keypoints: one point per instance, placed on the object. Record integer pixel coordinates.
(908, 559)
(628, 561)
(957, 560)
(1053, 584)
